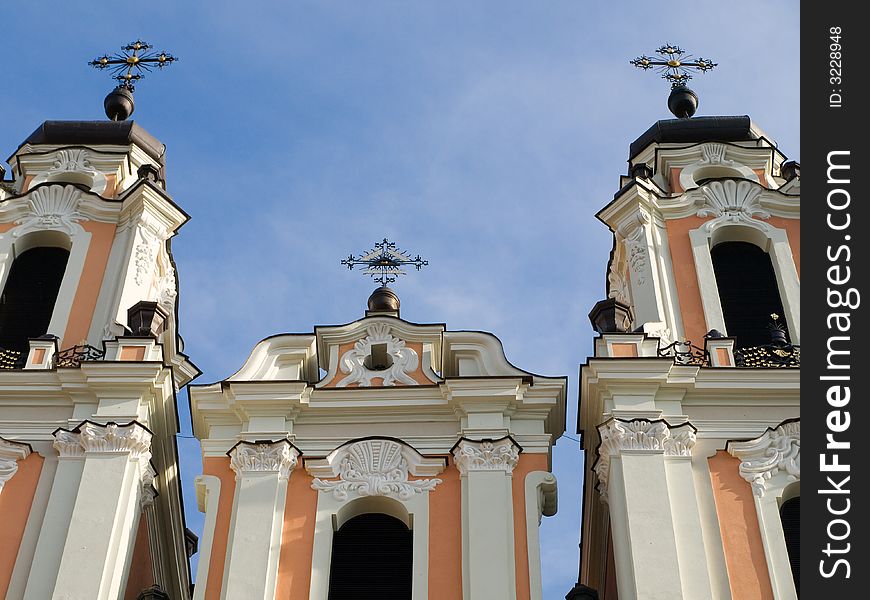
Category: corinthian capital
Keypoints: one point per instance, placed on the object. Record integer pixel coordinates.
(639, 436)
(278, 457)
(486, 455)
(132, 438)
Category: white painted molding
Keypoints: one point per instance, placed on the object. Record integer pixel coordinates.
(486, 455)
(374, 467)
(52, 207)
(775, 451)
(732, 202)
(280, 457)
(332, 514)
(10, 453)
(541, 499)
(405, 360)
(639, 436)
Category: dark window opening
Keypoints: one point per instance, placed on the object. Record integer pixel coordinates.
(790, 515)
(29, 295)
(747, 291)
(371, 559)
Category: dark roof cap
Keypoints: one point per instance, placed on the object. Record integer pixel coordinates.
(88, 133)
(695, 130)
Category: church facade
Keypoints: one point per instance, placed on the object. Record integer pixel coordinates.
(388, 459)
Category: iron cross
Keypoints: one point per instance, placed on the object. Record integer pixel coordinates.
(384, 262)
(130, 64)
(674, 64)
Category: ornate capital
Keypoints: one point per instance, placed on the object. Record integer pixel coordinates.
(131, 438)
(278, 457)
(639, 435)
(375, 467)
(776, 450)
(10, 453)
(486, 455)
(68, 444)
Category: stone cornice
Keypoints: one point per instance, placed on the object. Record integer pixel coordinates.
(486, 455)
(639, 436)
(248, 458)
(777, 450)
(10, 453)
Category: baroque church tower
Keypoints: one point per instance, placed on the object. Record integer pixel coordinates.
(689, 408)
(90, 362)
(377, 459)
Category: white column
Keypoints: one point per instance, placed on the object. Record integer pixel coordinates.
(58, 512)
(644, 492)
(488, 567)
(98, 540)
(262, 470)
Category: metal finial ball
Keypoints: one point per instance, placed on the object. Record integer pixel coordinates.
(119, 104)
(384, 299)
(683, 102)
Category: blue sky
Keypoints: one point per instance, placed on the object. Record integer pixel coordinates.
(484, 135)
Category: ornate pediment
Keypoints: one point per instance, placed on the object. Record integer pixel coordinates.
(374, 467)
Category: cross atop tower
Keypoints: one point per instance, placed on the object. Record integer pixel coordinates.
(676, 66)
(127, 67)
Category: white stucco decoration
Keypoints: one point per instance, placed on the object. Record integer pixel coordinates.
(639, 435)
(732, 202)
(405, 360)
(110, 438)
(10, 453)
(68, 444)
(775, 451)
(73, 165)
(486, 455)
(264, 457)
(373, 467)
(52, 207)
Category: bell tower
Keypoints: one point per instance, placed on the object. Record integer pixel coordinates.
(90, 363)
(689, 408)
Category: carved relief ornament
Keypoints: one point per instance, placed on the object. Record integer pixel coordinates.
(10, 453)
(732, 202)
(639, 435)
(279, 457)
(775, 451)
(52, 207)
(404, 359)
(486, 455)
(374, 467)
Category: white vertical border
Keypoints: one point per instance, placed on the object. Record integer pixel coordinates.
(332, 513)
(208, 491)
(540, 487)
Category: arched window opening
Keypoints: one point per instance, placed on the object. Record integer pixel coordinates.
(790, 516)
(747, 291)
(371, 559)
(29, 295)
